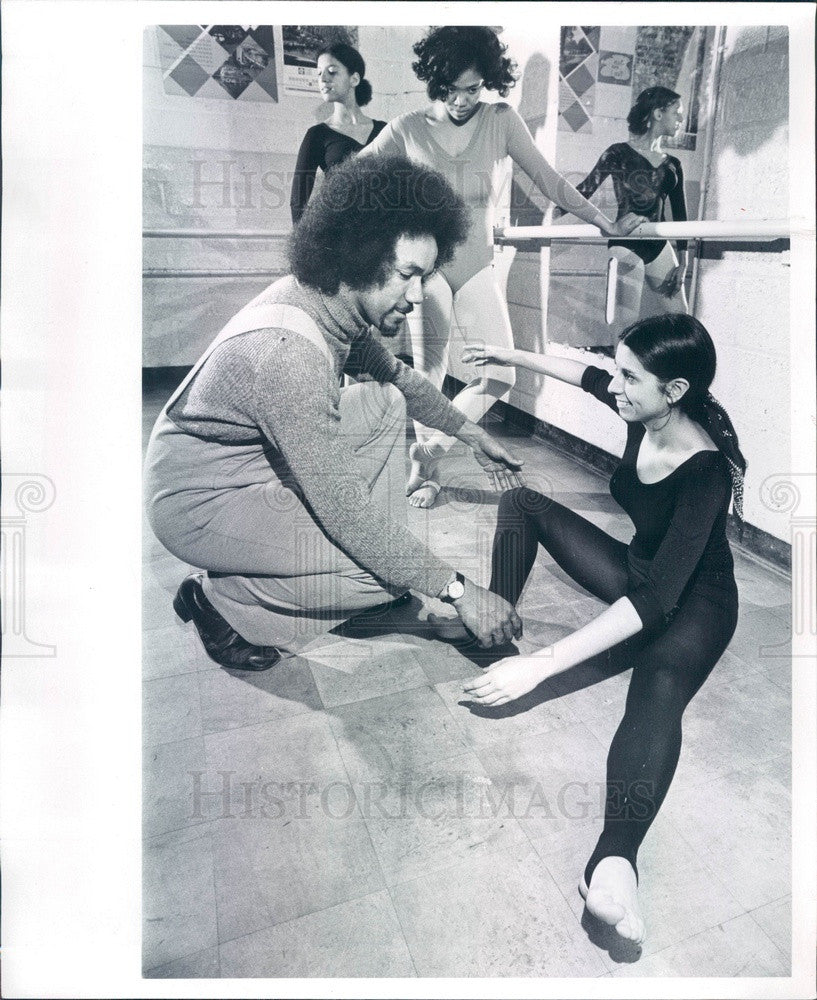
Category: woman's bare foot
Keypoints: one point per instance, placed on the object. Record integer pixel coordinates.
(612, 897)
(422, 487)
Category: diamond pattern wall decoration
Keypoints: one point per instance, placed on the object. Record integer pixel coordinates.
(578, 64)
(219, 61)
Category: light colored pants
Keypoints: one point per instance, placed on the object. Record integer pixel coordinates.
(272, 572)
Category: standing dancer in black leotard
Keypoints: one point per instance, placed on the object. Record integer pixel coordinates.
(644, 179)
(343, 83)
(672, 587)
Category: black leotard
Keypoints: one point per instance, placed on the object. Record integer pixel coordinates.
(678, 573)
(641, 188)
(680, 521)
(323, 147)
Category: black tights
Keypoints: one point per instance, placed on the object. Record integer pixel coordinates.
(669, 665)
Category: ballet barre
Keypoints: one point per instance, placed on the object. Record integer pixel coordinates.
(736, 231)
(216, 234)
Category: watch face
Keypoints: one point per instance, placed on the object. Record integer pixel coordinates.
(456, 590)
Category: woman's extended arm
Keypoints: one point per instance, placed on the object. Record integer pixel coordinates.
(564, 369)
(512, 677)
(523, 150)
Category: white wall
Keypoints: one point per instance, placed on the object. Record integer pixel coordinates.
(743, 298)
(224, 164)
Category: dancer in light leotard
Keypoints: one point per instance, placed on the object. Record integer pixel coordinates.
(468, 141)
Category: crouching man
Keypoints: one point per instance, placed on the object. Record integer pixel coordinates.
(288, 489)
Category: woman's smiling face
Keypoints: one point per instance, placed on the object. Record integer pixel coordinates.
(639, 394)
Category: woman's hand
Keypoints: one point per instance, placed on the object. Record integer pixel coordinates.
(485, 354)
(510, 678)
(624, 226)
(674, 281)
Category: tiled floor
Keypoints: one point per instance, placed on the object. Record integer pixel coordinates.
(346, 814)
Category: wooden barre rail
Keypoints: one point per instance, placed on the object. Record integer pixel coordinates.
(738, 231)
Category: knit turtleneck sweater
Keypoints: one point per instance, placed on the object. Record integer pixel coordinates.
(276, 389)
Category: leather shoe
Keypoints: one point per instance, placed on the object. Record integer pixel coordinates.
(220, 640)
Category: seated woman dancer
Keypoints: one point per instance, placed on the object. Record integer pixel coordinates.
(343, 83)
(644, 179)
(468, 141)
(673, 586)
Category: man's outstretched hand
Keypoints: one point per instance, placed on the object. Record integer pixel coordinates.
(500, 464)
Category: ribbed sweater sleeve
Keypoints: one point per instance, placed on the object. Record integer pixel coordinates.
(295, 398)
(423, 401)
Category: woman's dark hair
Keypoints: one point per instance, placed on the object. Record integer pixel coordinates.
(649, 100)
(353, 61)
(446, 53)
(675, 345)
(350, 227)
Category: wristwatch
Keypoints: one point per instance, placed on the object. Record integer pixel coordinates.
(454, 589)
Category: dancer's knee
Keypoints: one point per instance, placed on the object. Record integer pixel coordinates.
(522, 502)
(661, 688)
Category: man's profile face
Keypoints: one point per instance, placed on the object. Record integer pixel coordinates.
(386, 306)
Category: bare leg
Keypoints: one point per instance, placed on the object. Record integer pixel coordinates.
(480, 316)
(429, 329)
(655, 276)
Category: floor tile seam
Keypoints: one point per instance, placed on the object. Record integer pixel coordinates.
(181, 958)
(146, 839)
(715, 680)
(259, 722)
(212, 851)
(746, 768)
(709, 861)
(393, 887)
(171, 743)
(603, 954)
(390, 889)
(707, 930)
(752, 665)
(475, 747)
(780, 899)
(362, 701)
(291, 920)
(178, 673)
(487, 746)
(361, 813)
(706, 868)
(786, 689)
(788, 957)
(267, 722)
